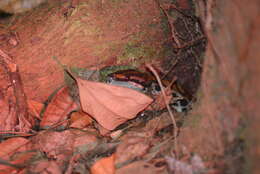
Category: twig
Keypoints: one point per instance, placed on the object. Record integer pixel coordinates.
(22, 134)
(167, 105)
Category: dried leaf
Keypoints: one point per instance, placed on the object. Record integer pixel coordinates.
(131, 148)
(139, 167)
(11, 146)
(80, 120)
(8, 119)
(34, 108)
(45, 167)
(104, 166)
(111, 105)
(19, 161)
(58, 109)
(58, 145)
(83, 140)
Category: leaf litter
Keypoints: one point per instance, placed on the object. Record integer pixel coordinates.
(110, 105)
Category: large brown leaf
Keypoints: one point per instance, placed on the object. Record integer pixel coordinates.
(111, 105)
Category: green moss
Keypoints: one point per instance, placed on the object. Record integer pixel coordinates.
(136, 54)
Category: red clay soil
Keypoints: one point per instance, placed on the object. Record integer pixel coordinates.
(94, 34)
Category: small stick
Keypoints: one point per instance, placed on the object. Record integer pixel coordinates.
(167, 105)
(23, 134)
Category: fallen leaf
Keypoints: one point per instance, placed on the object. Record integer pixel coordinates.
(45, 166)
(104, 166)
(58, 109)
(8, 119)
(84, 141)
(111, 105)
(139, 167)
(80, 120)
(34, 108)
(58, 145)
(19, 160)
(11, 146)
(131, 148)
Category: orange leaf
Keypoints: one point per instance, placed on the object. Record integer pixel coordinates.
(19, 159)
(12, 145)
(35, 108)
(104, 166)
(80, 120)
(58, 109)
(111, 105)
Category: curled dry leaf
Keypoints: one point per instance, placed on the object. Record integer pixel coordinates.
(58, 109)
(111, 105)
(80, 120)
(104, 166)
